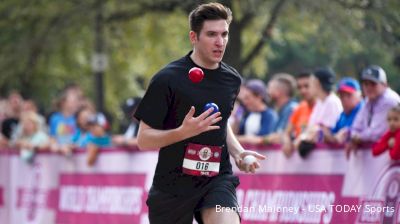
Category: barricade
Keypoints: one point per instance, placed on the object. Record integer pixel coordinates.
(323, 188)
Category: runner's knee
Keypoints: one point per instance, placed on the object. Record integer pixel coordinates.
(219, 215)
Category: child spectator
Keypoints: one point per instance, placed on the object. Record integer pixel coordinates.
(30, 106)
(391, 139)
(32, 138)
(62, 124)
(90, 134)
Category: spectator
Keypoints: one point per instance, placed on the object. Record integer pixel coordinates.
(129, 137)
(281, 91)
(15, 102)
(32, 138)
(301, 115)
(9, 125)
(298, 120)
(101, 117)
(391, 139)
(76, 90)
(30, 106)
(370, 123)
(350, 95)
(90, 134)
(62, 124)
(260, 119)
(83, 119)
(326, 111)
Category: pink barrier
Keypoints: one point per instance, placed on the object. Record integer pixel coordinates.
(324, 188)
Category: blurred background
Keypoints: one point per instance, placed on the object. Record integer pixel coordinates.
(112, 48)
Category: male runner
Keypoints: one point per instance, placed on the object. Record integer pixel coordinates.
(194, 174)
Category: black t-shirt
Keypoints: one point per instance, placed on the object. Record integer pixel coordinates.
(167, 101)
(8, 127)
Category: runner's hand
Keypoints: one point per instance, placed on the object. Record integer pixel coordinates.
(245, 167)
(192, 126)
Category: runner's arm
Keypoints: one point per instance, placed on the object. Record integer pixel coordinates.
(151, 138)
(238, 152)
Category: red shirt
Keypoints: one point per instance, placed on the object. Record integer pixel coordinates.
(383, 144)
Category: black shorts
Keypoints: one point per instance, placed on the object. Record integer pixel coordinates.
(167, 208)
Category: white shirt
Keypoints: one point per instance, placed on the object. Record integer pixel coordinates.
(326, 112)
(253, 124)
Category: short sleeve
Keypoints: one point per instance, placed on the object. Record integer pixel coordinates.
(293, 119)
(53, 125)
(153, 108)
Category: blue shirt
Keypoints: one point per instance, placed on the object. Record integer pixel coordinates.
(284, 114)
(82, 139)
(62, 128)
(346, 120)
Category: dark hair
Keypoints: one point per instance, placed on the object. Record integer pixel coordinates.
(288, 81)
(326, 77)
(304, 74)
(210, 11)
(78, 113)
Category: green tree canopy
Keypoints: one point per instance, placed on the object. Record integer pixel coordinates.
(46, 44)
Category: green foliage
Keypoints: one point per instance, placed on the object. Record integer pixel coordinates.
(47, 44)
(335, 36)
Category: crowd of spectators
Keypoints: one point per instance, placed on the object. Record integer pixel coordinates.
(74, 123)
(295, 112)
(343, 112)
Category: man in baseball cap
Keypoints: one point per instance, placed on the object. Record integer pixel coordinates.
(370, 123)
(375, 74)
(348, 85)
(349, 92)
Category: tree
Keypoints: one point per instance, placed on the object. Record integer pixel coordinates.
(46, 44)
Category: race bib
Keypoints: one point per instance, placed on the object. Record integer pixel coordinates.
(202, 160)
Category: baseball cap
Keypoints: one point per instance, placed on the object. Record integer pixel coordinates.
(326, 76)
(258, 87)
(374, 73)
(349, 85)
(129, 105)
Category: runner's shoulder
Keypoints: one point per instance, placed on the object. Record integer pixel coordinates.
(232, 71)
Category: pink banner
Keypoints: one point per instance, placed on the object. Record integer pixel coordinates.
(91, 198)
(324, 188)
(294, 199)
(1, 197)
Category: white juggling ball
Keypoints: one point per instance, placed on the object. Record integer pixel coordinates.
(249, 159)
